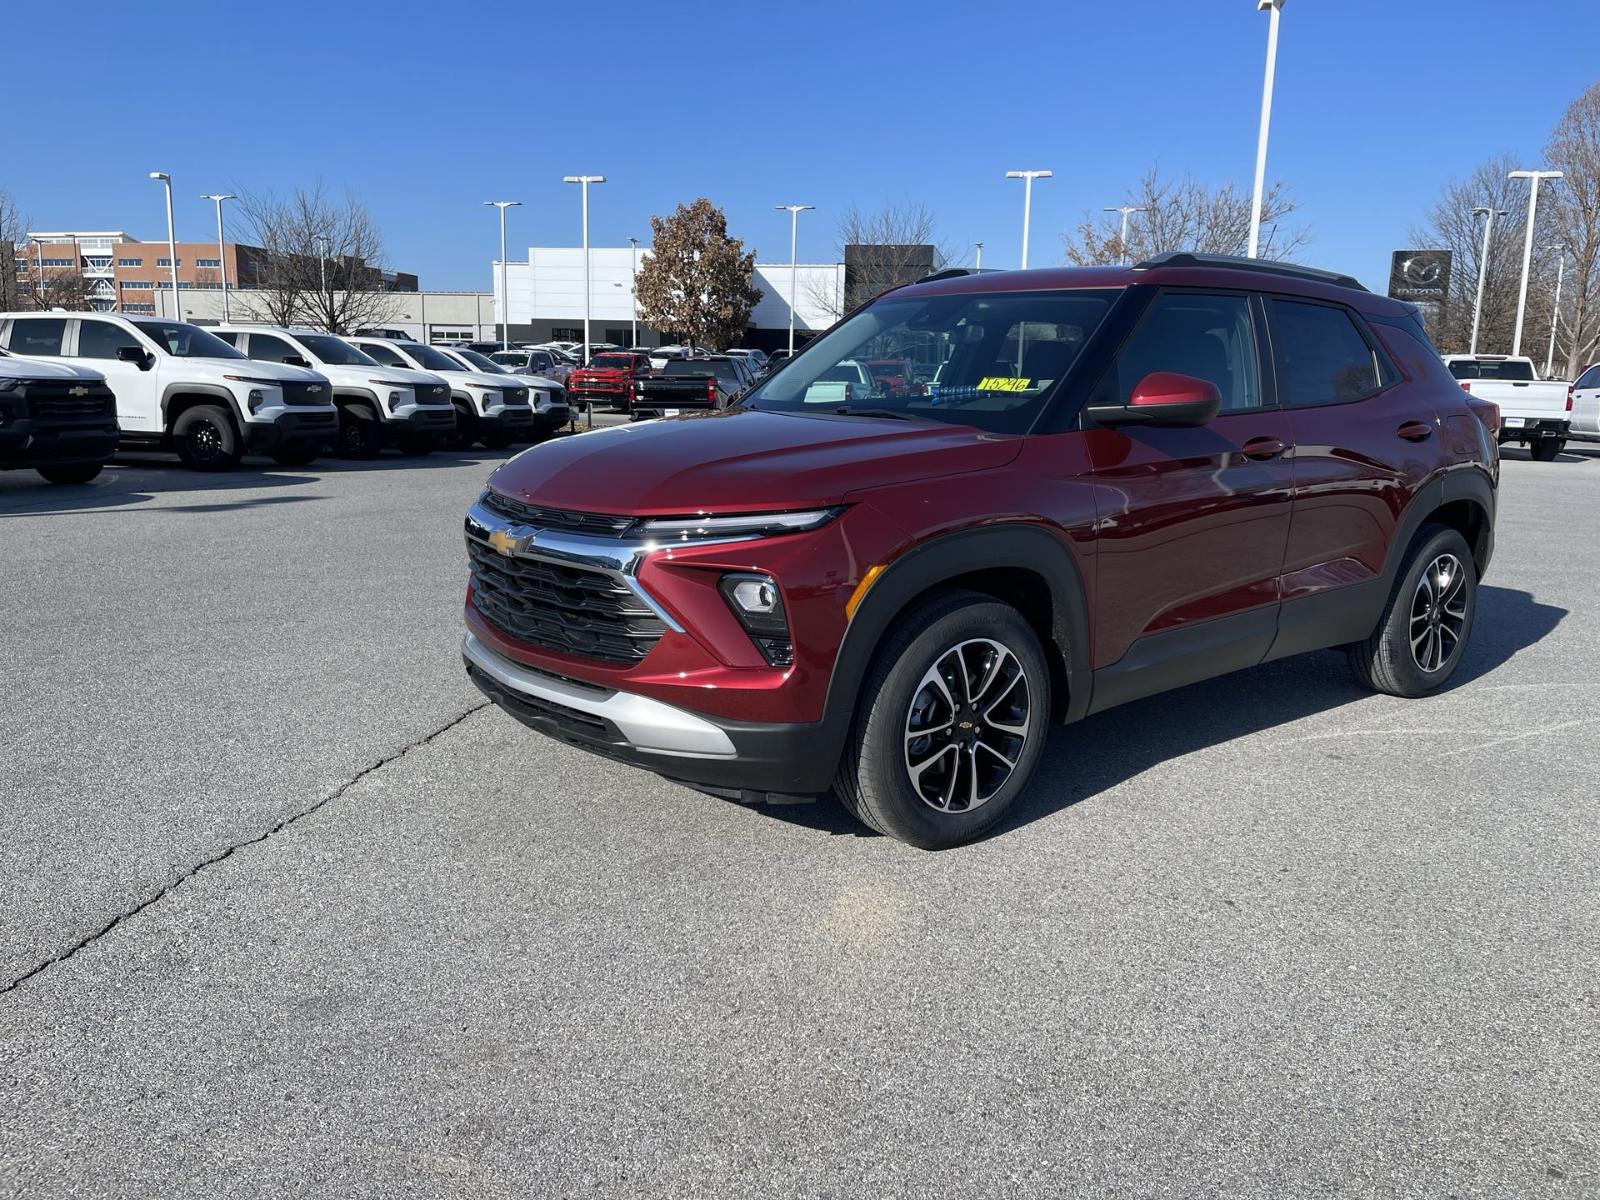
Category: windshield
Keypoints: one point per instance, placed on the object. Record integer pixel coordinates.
(334, 352)
(186, 341)
(1477, 368)
(512, 358)
(614, 362)
(428, 358)
(988, 359)
(481, 361)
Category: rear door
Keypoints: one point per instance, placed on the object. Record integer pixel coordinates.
(1586, 403)
(1366, 436)
(1192, 522)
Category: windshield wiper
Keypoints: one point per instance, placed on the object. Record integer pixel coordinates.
(893, 414)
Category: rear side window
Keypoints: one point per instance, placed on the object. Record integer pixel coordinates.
(266, 348)
(227, 335)
(102, 339)
(383, 354)
(1590, 378)
(1418, 358)
(1322, 358)
(37, 335)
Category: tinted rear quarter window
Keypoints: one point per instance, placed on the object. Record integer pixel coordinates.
(37, 335)
(1322, 358)
(102, 339)
(266, 348)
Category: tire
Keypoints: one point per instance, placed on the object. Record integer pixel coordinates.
(465, 434)
(296, 456)
(360, 432)
(66, 473)
(207, 438)
(1439, 565)
(906, 786)
(1547, 449)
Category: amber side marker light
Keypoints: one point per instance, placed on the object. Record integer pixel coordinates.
(860, 594)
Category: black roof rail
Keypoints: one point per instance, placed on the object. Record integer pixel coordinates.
(948, 273)
(1233, 262)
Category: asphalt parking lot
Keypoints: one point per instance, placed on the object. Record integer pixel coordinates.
(287, 911)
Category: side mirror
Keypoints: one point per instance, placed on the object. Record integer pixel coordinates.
(296, 360)
(137, 355)
(1165, 399)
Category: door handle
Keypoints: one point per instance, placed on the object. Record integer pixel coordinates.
(1415, 431)
(1263, 448)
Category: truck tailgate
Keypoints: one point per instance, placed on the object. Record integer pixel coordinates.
(1540, 400)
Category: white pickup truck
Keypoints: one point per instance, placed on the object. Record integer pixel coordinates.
(1534, 412)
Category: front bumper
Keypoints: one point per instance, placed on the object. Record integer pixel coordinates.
(28, 443)
(728, 757)
(290, 430)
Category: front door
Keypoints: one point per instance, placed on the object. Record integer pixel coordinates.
(138, 398)
(1192, 523)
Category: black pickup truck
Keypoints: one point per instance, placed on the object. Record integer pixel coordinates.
(689, 385)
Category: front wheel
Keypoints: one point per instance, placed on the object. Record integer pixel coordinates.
(465, 434)
(1423, 634)
(951, 723)
(70, 472)
(207, 439)
(1547, 449)
(360, 432)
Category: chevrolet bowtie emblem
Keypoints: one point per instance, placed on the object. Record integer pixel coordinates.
(79, 391)
(508, 543)
(314, 388)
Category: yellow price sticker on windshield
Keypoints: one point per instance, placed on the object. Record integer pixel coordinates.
(1003, 383)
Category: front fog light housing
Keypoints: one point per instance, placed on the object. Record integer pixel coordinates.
(758, 605)
(396, 401)
(257, 399)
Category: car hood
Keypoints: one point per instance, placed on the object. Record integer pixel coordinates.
(401, 376)
(741, 460)
(256, 369)
(18, 367)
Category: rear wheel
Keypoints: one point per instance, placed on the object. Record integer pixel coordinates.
(1547, 449)
(951, 723)
(70, 472)
(1423, 634)
(207, 439)
(360, 433)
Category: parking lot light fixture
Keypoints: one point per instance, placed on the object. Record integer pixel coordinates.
(505, 287)
(1027, 178)
(1126, 210)
(794, 211)
(172, 240)
(222, 250)
(1533, 178)
(1483, 269)
(1555, 308)
(978, 265)
(584, 181)
(1276, 9)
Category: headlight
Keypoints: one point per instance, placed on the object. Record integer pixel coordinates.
(7, 385)
(694, 529)
(397, 401)
(257, 398)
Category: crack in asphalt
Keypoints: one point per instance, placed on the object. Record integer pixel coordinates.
(212, 861)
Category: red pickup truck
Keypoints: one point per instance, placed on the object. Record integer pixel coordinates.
(608, 378)
(1125, 480)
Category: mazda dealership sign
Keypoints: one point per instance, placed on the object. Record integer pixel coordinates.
(1421, 276)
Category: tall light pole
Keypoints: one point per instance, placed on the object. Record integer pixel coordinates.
(1555, 310)
(505, 288)
(323, 246)
(1127, 210)
(584, 181)
(1483, 268)
(978, 266)
(1027, 178)
(172, 239)
(1527, 244)
(1276, 7)
(633, 288)
(794, 211)
(222, 249)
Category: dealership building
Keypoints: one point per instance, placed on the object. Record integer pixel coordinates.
(545, 297)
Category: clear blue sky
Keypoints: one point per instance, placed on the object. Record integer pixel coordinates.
(757, 104)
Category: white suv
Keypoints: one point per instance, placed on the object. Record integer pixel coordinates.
(492, 409)
(378, 406)
(180, 387)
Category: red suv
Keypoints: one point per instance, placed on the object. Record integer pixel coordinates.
(1116, 481)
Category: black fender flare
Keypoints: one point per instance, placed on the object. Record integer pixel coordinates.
(939, 560)
(1470, 484)
(214, 391)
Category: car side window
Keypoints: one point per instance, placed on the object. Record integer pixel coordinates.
(228, 336)
(102, 339)
(383, 354)
(1322, 358)
(1590, 378)
(37, 335)
(1209, 337)
(266, 348)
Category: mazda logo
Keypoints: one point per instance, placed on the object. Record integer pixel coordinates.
(1424, 272)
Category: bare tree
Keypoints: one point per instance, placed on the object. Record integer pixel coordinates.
(14, 291)
(1574, 148)
(323, 262)
(885, 249)
(1185, 215)
(1454, 225)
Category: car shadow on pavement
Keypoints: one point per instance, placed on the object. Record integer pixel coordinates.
(132, 483)
(1098, 753)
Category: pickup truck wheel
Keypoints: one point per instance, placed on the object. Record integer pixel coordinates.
(70, 472)
(1420, 640)
(465, 434)
(1547, 449)
(951, 723)
(360, 434)
(206, 438)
